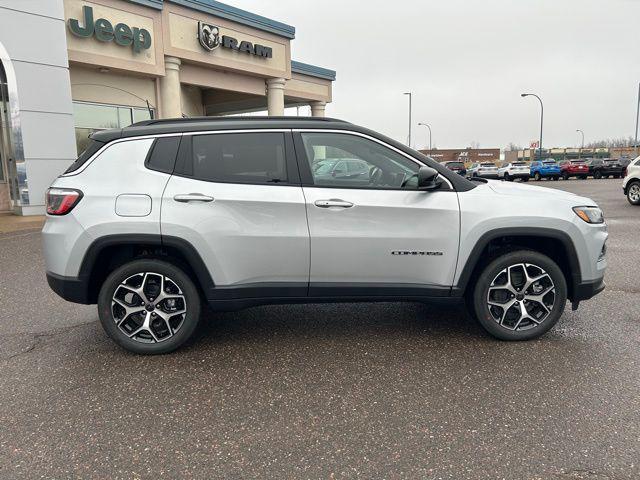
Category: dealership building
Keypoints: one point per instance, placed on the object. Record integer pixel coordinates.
(71, 67)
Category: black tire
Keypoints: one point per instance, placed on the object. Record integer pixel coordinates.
(583, 177)
(565, 176)
(555, 179)
(537, 176)
(184, 331)
(605, 176)
(633, 192)
(507, 178)
(525, 179)
(493, 269)
(597, 175)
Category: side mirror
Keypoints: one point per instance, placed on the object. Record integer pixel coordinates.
(428, 178)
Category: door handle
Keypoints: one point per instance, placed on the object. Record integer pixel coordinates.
(333, 202)
(192, 197)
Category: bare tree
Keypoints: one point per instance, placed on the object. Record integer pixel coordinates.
(511, 147)
(474, 145)
(612, 142)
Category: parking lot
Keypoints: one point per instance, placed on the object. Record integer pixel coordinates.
(383, 390)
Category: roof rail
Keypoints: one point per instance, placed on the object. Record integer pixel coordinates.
(168, 121)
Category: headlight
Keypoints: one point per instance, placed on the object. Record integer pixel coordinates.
(589, 214)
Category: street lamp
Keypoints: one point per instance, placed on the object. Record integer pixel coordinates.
(541, 116)
(409, 93)
(580, 151)
(635, 142)
(426, 125)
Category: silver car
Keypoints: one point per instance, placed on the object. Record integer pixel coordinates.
(159, 218)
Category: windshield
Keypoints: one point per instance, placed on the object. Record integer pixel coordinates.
(324, 166)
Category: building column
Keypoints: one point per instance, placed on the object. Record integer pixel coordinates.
(170, 89)
(275, 96)
(317, 109)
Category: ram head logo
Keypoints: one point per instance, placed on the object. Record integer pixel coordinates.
(209, 36)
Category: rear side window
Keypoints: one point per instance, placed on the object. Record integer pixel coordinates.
(92, 147)
(162, 156)
(238, 158)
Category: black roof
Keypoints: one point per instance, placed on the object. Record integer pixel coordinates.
(195, 124)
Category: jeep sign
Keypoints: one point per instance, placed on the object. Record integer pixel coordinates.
(104, 31)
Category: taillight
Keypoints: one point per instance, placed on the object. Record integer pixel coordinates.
(61, 201)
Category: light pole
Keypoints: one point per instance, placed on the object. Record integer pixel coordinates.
(635, 142)
(541, 117)
(429, 127)
(580, 151)
(409, 93)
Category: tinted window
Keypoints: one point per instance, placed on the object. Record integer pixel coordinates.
(239, 158)
(455, 165)
(92, 147)
(162, 156)
(343, 160)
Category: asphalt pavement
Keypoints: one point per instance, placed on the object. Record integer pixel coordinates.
(328, 391)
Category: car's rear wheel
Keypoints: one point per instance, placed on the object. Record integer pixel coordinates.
(555, 178)
(525, 179)
(149, 307)
(597, 175)
(583, 177)
(565, 176)
(507, 178)
(520, 295)
(537, 176)
(633, 193)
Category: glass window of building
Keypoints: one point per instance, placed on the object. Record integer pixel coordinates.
(92, 117)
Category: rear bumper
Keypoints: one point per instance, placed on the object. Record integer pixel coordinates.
(587, 290)
(72, 289)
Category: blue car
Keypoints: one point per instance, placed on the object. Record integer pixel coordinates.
(545, 169)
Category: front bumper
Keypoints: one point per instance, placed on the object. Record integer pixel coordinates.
(587, 290)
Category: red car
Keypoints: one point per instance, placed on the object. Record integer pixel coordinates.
(574, 168)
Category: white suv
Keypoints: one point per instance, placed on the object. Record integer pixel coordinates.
(159, 218)
(631, 182)
(514, 170)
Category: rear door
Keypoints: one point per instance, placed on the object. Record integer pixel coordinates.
(376, 235)
(236, 197)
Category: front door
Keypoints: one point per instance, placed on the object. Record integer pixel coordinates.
(375, 233)
(236, 198)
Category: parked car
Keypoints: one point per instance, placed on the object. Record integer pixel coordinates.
(631, 182)
(347, 168)
(544, 169)
(156, 219)
(574, 168)
(603, 168)
(483, 170)
(457, 167)
(514, 170)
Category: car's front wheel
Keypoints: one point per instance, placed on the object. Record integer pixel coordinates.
(633, 193)
(537, 176)
(597, 175)
(520, 295)
(149, 307)
(565, 176)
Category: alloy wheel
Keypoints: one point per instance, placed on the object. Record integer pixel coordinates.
(634, 192)
(521, 297)
(148, 307)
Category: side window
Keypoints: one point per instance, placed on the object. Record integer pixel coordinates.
(162, 156)
(238, 158)
(345, 160)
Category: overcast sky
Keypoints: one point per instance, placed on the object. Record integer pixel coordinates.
(467, 62)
